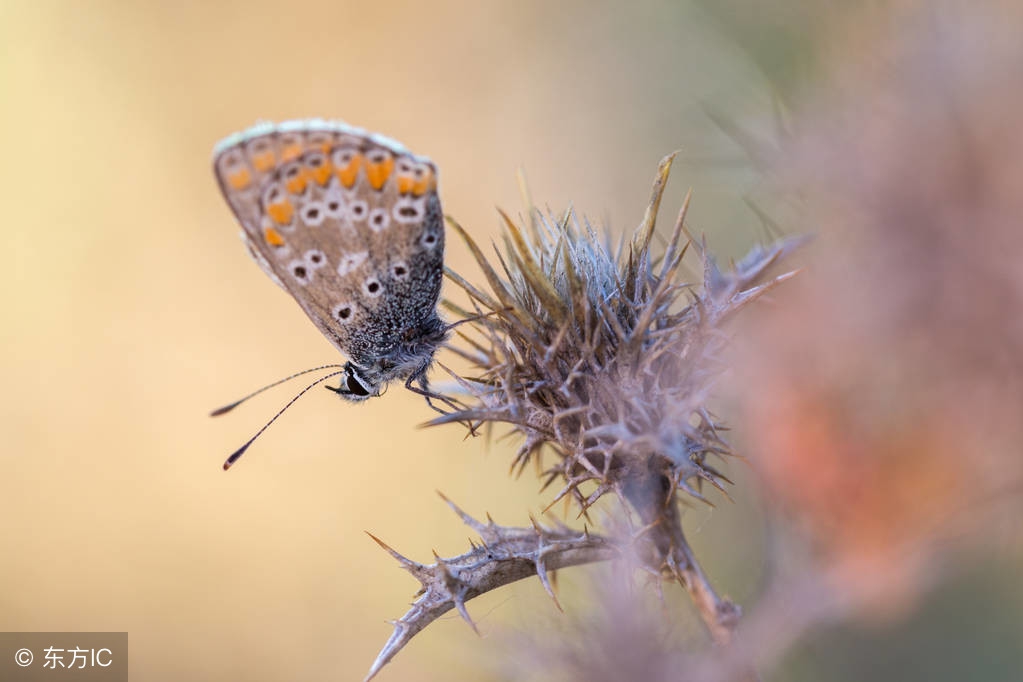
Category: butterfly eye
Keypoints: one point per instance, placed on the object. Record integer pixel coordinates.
(356, 387)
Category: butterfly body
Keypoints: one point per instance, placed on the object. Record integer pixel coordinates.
(349, 223)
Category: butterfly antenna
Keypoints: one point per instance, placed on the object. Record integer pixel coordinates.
(241, 451)
(227, 408)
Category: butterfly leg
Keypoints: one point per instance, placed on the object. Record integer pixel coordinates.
(424, 390)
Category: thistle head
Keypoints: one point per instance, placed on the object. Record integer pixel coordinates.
(604, 355)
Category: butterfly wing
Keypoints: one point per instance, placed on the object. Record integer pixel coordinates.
(346, 222)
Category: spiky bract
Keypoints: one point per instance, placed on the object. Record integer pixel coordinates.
(604, 353)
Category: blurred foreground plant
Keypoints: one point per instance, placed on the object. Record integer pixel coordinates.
(896, 366)
(604, 357)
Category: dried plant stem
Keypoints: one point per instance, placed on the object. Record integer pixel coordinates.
(652, 496)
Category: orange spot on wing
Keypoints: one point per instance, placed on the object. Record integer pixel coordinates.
(264, 161)
(321, 174)
(281, 212)
(406, 183)
(348, 174)
(425, 184)
(240, 179)
(291, 152)
(273, 237)
(296, 185)
(377, 173)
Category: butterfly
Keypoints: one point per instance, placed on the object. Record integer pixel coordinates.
(350, 224)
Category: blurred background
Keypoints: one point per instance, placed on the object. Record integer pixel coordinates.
(133, 310)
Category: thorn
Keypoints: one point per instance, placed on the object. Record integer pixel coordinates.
(414, 566)
(460, 605)
(717, 474)
(536, 526)
(466, 518)
(692, 492)
(714, 482)
(541, 572)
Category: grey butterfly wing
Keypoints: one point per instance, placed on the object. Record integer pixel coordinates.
(348, 223)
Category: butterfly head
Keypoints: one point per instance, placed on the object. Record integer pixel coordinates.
(408, 360)
(356, 384)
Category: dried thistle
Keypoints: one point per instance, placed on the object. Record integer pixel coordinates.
(605, 355)
(606, 358)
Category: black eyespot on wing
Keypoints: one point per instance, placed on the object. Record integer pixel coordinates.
(343, 312)
(372, 287)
